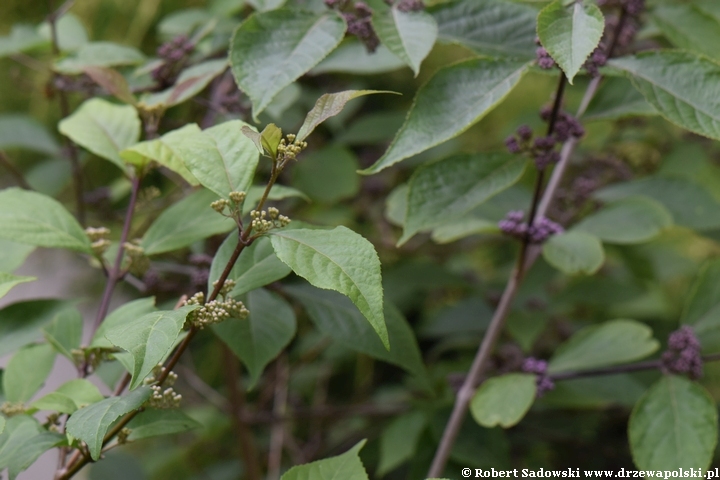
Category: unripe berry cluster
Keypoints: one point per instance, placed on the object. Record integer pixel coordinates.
(12, 408)
(540, 231)
(98, 237)
(683, 353)
(539, 368)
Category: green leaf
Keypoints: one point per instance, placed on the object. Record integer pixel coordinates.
(490, 27)
(463, 228)
(452, 100)
(340, 260)
(90, 424)
(353, 58)
(189, 220)
(263, 335)
(221, 157)
(628, 221)
(99, 54)
(149, 339)
(689, 28)
(503, 400)
(347, 466)
(21, 131)
(328, 175)
(23, 441)
(570, 33)
(64, 333)
(277, 192)
(26, 372)
(263, 50)
(191, 81)
(8, 281)
(160, 422)
(682, 86)
(702, 308)
(615, 99)
(163, 150)
(13, 254)
(256, 267)
(610, 343)
(120, 316)
(266, 141)
(329, 105)
(2, 424)
(690, 204)
(103, 128)
(574, 252)
(338, 318)
(69, 397)
(20, 323)
(448, 190)
(409, 35)
(20, 39)
(674, 425)
(399, 440)
(112, 81)
(36, 219)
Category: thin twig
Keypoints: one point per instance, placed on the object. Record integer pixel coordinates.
(14, 171)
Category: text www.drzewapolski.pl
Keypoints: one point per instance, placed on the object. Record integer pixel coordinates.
(578, 473)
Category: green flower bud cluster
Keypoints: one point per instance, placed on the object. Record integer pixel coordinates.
(264, 221)
(139, 263)
(227, 286)
(122, 436)
(157, 372)
(233, 205)
(92, 357)
(289, 148)
(12, 408)
(213, 312)
(160, 398)
(98, 237)
(52, 422)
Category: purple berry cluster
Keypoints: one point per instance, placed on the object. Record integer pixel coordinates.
(683, 353)
(597, 59)
(539, 368)
(407, 5)
(541, 229)
(175, 54)
(544, 60)
(359, 21)
(542, 149)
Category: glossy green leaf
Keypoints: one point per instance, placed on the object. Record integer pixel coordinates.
(163, 150)
(504, 400)
(682, 86)
(120, 316)
(103, 128)
(399, 441)
(189, 220)
(674, 425)
(99, 54)
(338, 318)
(36, 219)
(610, 343)
(69, 397)
(570, 33)
(491, 27)
(64, 333)
(448, 190)
(452, 100)
(191, 81)
(13, 254)
(23, 441)
(340, 260)
(149, 338)
(690, 204)
(160, 422)
(8, 281)
(353, 58)
(689, 27)
(21, 131)
(574, 252)
(263, 51)
(347, 466)
(26, 372)
(627, 221)
(258, 339)
(409, 35)
(256, 267)
(21, 322)
(617, 98)
(221, 157)
(329, 105)
(90, 424)
(328, 175)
